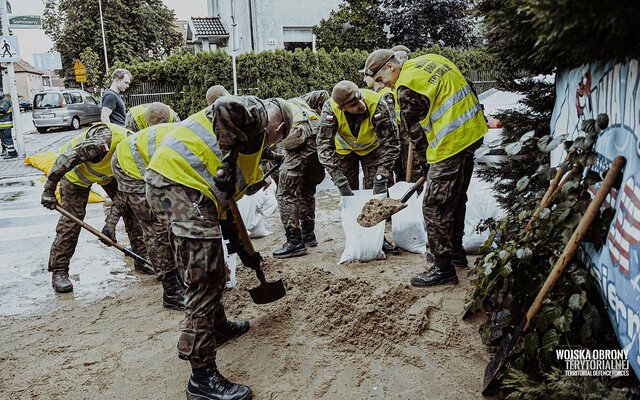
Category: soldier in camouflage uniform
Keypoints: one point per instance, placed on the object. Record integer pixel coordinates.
(300, 173)
(357, 128)
(139, 117)
(436, 102)
(129, 165)
(192, 174)
(420, 148)
(84, 160)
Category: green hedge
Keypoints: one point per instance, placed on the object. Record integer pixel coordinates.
(272, 73)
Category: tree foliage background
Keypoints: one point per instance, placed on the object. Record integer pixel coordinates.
(374, 24)
(134, 29)
(355, 25)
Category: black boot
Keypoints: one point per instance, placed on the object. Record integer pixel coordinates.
(388, 247)
(229, 330)
(207, 383)
(173, 292)
(294, 245)
(441, 273)
(308, 236)
(60, 282)
(459, 258)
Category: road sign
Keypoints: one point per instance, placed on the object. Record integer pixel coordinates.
(48, 61)
(25, 21)
(80, 71)
(9, 50)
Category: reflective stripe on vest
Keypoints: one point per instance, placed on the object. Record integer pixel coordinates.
(8, 123)
(137, 113)
(367, 139)
(134, 155)
(88, 173)
(190, 155)
(455, 119)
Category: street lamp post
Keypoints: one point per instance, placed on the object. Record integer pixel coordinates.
(104, 41)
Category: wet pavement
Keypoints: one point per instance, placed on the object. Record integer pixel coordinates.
(26, 233)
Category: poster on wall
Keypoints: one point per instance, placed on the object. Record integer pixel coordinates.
(582, 93)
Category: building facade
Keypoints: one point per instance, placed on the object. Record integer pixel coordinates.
(28, 79)
(268, 24)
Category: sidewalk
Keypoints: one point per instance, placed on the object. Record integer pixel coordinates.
(34, 142)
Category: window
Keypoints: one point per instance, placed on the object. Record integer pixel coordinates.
(76, 97)
(298, 37)
(89, 100)
(47, 100)
(67, 98)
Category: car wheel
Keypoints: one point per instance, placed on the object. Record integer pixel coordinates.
(75, 123)
(42, 130)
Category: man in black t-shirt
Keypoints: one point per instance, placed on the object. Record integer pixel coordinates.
(113, 108)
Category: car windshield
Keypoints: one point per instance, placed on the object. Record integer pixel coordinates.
(47, 100)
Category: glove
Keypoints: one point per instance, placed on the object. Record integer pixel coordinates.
(345, 190)
(227, 182)
(49, 199)
(109, 231)
(379, 184)
(253, 261)
(424, 169)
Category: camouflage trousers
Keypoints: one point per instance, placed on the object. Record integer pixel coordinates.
(73, 198)
(155, 234)
(350, 166)
(195, 236)
(300, 173)
(445, 203)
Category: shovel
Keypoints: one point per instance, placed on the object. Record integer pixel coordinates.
(380, 210)
(267, 292)
(506, 348)
(102, 236)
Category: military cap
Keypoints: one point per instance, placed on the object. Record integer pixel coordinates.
(376, 60)
(344, 91)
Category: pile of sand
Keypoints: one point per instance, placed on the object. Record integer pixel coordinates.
(378, 210)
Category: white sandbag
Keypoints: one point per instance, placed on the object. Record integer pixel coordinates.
(231, 261)
(481, 205)
(408, 224)
(249, 207)
(269, 201)
(361, 244)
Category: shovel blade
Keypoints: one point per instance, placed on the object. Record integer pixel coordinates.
(268, 292)
(500, 358)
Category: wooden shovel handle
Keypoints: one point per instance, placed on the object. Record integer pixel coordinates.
(409, 162)
(242, 230)
(574, 243)
(554, 188)
(101, 235)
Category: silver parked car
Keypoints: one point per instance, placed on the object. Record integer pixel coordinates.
(64, 108)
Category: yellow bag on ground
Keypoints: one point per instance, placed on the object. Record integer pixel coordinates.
(44, 162)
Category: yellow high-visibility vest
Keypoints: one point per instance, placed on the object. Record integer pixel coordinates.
(137, 113)
(367, 139)
(135, 153)
(190, 155)
(88, 173)
(455, 119)
(8, 122)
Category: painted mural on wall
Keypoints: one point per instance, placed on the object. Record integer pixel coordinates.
(583, 93)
